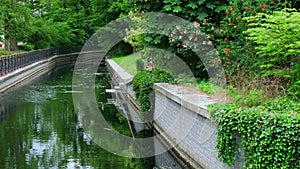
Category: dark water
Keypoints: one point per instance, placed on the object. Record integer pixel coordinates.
(39, 129)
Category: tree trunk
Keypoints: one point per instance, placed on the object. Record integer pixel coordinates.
(7, 43)
(13, 44)
(10, 44)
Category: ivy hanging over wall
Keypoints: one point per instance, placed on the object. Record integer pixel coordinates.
(142, 84)
(270, 133)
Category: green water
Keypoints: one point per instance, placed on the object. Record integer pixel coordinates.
(39, 128)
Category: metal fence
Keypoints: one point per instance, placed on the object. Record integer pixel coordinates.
(14, 62)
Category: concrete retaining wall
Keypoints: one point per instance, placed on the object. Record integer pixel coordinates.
(26, 73)
(180, 117)
(124, 97)
(198, 140)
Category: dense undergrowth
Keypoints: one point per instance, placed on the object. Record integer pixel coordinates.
(270, 133)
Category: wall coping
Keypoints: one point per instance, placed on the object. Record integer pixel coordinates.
(187, 97)
(123, 76)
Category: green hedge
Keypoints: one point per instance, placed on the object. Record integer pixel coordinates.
(270, 133)
(142, 84)
(26, 47)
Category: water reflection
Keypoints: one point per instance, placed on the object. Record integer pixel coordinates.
(39, 129)
(39, 94)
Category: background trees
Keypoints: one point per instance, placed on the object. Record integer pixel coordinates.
(47, 23)
(14, 19)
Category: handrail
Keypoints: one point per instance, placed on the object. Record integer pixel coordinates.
(13, 62)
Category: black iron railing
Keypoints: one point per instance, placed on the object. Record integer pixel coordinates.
(14, 62)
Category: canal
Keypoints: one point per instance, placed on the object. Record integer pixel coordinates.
(39, 128)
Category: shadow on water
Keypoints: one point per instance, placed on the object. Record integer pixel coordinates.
(39, 128)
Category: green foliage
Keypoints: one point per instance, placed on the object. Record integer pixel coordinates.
(14, 19)
(247, 98)
(26, 47)
(239, 54)
(120, 49)
(140, 65)
(278, 44)
(142, 84)
(235, 51)
(207, 87)
(270, 133)
(195, 10)
(186, 80)
(45, 23)
(4, 52)
(276, 34)
(144, 133)
(104, 11)
(44, 34)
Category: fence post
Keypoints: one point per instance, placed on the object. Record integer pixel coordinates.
(5, 65)
(9, 63)
(1, 66)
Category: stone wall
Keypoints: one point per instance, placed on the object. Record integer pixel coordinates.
(180, 119)
(123, 95)
(182, 112)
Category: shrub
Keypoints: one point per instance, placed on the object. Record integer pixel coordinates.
(278, 46)
(270, 133)
(247, 98)
(26, 47)
(142, 84)
(208, 87)
(139, 65)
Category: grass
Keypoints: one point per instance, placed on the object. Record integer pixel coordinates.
(128, 63)
(5, 53)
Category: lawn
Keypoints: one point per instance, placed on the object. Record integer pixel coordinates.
(4, 53)
(128, 63)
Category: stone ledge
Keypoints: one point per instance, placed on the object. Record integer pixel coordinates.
(122, 75)
(189, 98)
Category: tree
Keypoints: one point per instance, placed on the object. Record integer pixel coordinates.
(15, 18)
(104, 11)
(72, 13)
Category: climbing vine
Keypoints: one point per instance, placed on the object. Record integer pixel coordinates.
(270, 133)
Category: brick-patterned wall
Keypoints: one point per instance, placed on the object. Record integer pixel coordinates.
(182, 114)
(199, 141)
(181, 118)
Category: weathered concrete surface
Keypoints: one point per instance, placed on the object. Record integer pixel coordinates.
(124, 97)
(117, 73)
(189, 98)
(197, 143)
